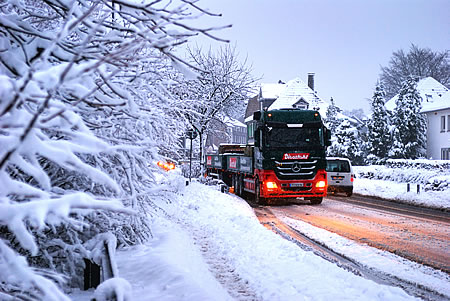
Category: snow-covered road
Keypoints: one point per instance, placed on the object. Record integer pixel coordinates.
(210, 246)
(416, 238)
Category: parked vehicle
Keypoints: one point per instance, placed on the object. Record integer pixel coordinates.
(284, 157)
(340, 175)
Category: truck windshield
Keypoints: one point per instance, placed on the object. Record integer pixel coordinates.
(293, 137)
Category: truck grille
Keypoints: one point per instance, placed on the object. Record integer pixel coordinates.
(304, 170)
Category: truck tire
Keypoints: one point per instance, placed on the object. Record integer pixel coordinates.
(316, 201)
(239, 185)
(258, 199)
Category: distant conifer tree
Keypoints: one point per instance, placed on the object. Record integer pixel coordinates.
(378, 137)
(409, 136)
(332, 121)
(346, 144)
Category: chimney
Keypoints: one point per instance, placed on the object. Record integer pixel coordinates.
(311, 80)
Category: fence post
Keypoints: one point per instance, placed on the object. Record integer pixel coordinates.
(418, 188)
(407, 187)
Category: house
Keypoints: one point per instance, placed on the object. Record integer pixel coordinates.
(436, 106)
(267, 94)
(293, 94)
(228, 131)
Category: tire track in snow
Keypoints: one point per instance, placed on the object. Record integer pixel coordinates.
(220, 266)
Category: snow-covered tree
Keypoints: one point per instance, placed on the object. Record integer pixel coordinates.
(409, 135)
(221, 89)
(378, 136)
(420, 62)
(346, 143)
(331, 120)
(84, 105)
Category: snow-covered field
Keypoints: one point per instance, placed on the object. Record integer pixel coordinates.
(210, 246)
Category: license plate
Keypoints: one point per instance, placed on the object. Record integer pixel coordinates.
(337, 178)
(296, 185)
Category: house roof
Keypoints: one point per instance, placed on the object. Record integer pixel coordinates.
(271, 91)
(252, 106)
(232, 122)
(435, 96)
(287, 95)
(296, 90)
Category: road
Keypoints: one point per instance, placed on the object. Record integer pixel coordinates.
(417, 234)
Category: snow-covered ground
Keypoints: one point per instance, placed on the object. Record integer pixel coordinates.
(391, 183)
(210, 246)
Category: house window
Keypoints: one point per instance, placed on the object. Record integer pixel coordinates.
(442, 124)
(445, 153)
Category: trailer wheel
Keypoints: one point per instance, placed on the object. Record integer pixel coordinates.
(240, 184)
(258, 199)
(233, 183)
(316, 201)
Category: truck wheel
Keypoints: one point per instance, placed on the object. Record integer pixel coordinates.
(316, 201)
(233, 183)
(239, 183)
(258, 199)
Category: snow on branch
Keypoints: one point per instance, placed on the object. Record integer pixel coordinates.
(85, 109)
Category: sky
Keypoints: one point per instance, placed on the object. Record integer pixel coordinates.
(343, 42)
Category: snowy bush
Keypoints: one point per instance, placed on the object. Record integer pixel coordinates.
(443, 165)
(194, 171)
(433, 174)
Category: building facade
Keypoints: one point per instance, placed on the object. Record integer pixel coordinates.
(438, 134)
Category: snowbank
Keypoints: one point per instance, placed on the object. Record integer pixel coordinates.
(390, 181)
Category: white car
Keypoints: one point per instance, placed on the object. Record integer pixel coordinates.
(340, 175)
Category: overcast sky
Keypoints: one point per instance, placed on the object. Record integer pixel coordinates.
(344, 42)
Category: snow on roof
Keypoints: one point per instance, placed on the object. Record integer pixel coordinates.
(272, 90)
(295, 91)
(435, 96)
(287, 95)
(232, 122)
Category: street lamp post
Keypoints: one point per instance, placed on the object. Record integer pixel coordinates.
(191, 134)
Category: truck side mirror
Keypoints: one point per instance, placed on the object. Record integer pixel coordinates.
(258, 138)
(327, 137)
